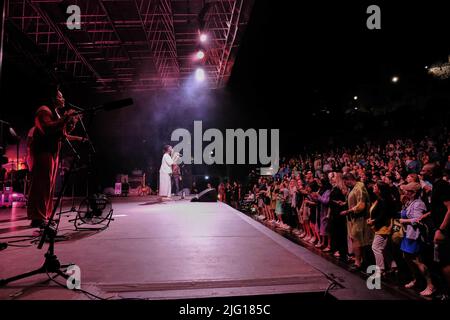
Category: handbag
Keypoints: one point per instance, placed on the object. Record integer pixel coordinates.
(384, 230)
(398, 232)
(426, 235)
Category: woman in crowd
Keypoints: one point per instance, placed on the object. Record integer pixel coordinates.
(285, 205)
(323, 198)
(412, 177)
(381, 214)
(305, 213)
(221, 191)
(273, 199)
(311, 203)
(358, 203)
(279, 204)
(298, 207)
(267, 200)
(338, 222)
(292, 204)
(412, 245)
(260, 192)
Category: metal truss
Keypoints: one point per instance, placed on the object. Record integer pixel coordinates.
(223, 20)
(135, 44)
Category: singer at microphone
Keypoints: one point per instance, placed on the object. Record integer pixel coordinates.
(44, 144)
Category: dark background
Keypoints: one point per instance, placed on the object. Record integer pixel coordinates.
(298, 67)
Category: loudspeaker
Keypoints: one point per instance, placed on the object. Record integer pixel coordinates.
(208, 195)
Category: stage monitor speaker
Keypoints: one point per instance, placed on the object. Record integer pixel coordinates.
(208, 195)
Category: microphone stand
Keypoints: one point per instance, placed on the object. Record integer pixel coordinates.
(76, 154)
(86, 134)
(91, 146)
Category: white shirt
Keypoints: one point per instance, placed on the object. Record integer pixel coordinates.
(166, 164)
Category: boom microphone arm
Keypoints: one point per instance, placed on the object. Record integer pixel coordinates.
(109, 106)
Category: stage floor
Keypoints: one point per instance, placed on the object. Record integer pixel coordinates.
(174, 250)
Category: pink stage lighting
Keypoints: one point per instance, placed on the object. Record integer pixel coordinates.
(200, 55)
(203, 37)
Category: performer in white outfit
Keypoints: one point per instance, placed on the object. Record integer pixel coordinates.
(165, 183)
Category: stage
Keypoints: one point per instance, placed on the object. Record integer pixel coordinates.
(175, 250)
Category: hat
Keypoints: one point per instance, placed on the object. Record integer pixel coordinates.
(412, 186)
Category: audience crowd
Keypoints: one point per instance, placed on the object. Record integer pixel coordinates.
(386, 205)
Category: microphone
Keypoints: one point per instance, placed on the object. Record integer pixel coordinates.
(72, 106)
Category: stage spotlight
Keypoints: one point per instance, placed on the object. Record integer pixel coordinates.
(203, 37)
(200, 54)
(355, 98)
(395, 79)
(206, 177)
(200, 75)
